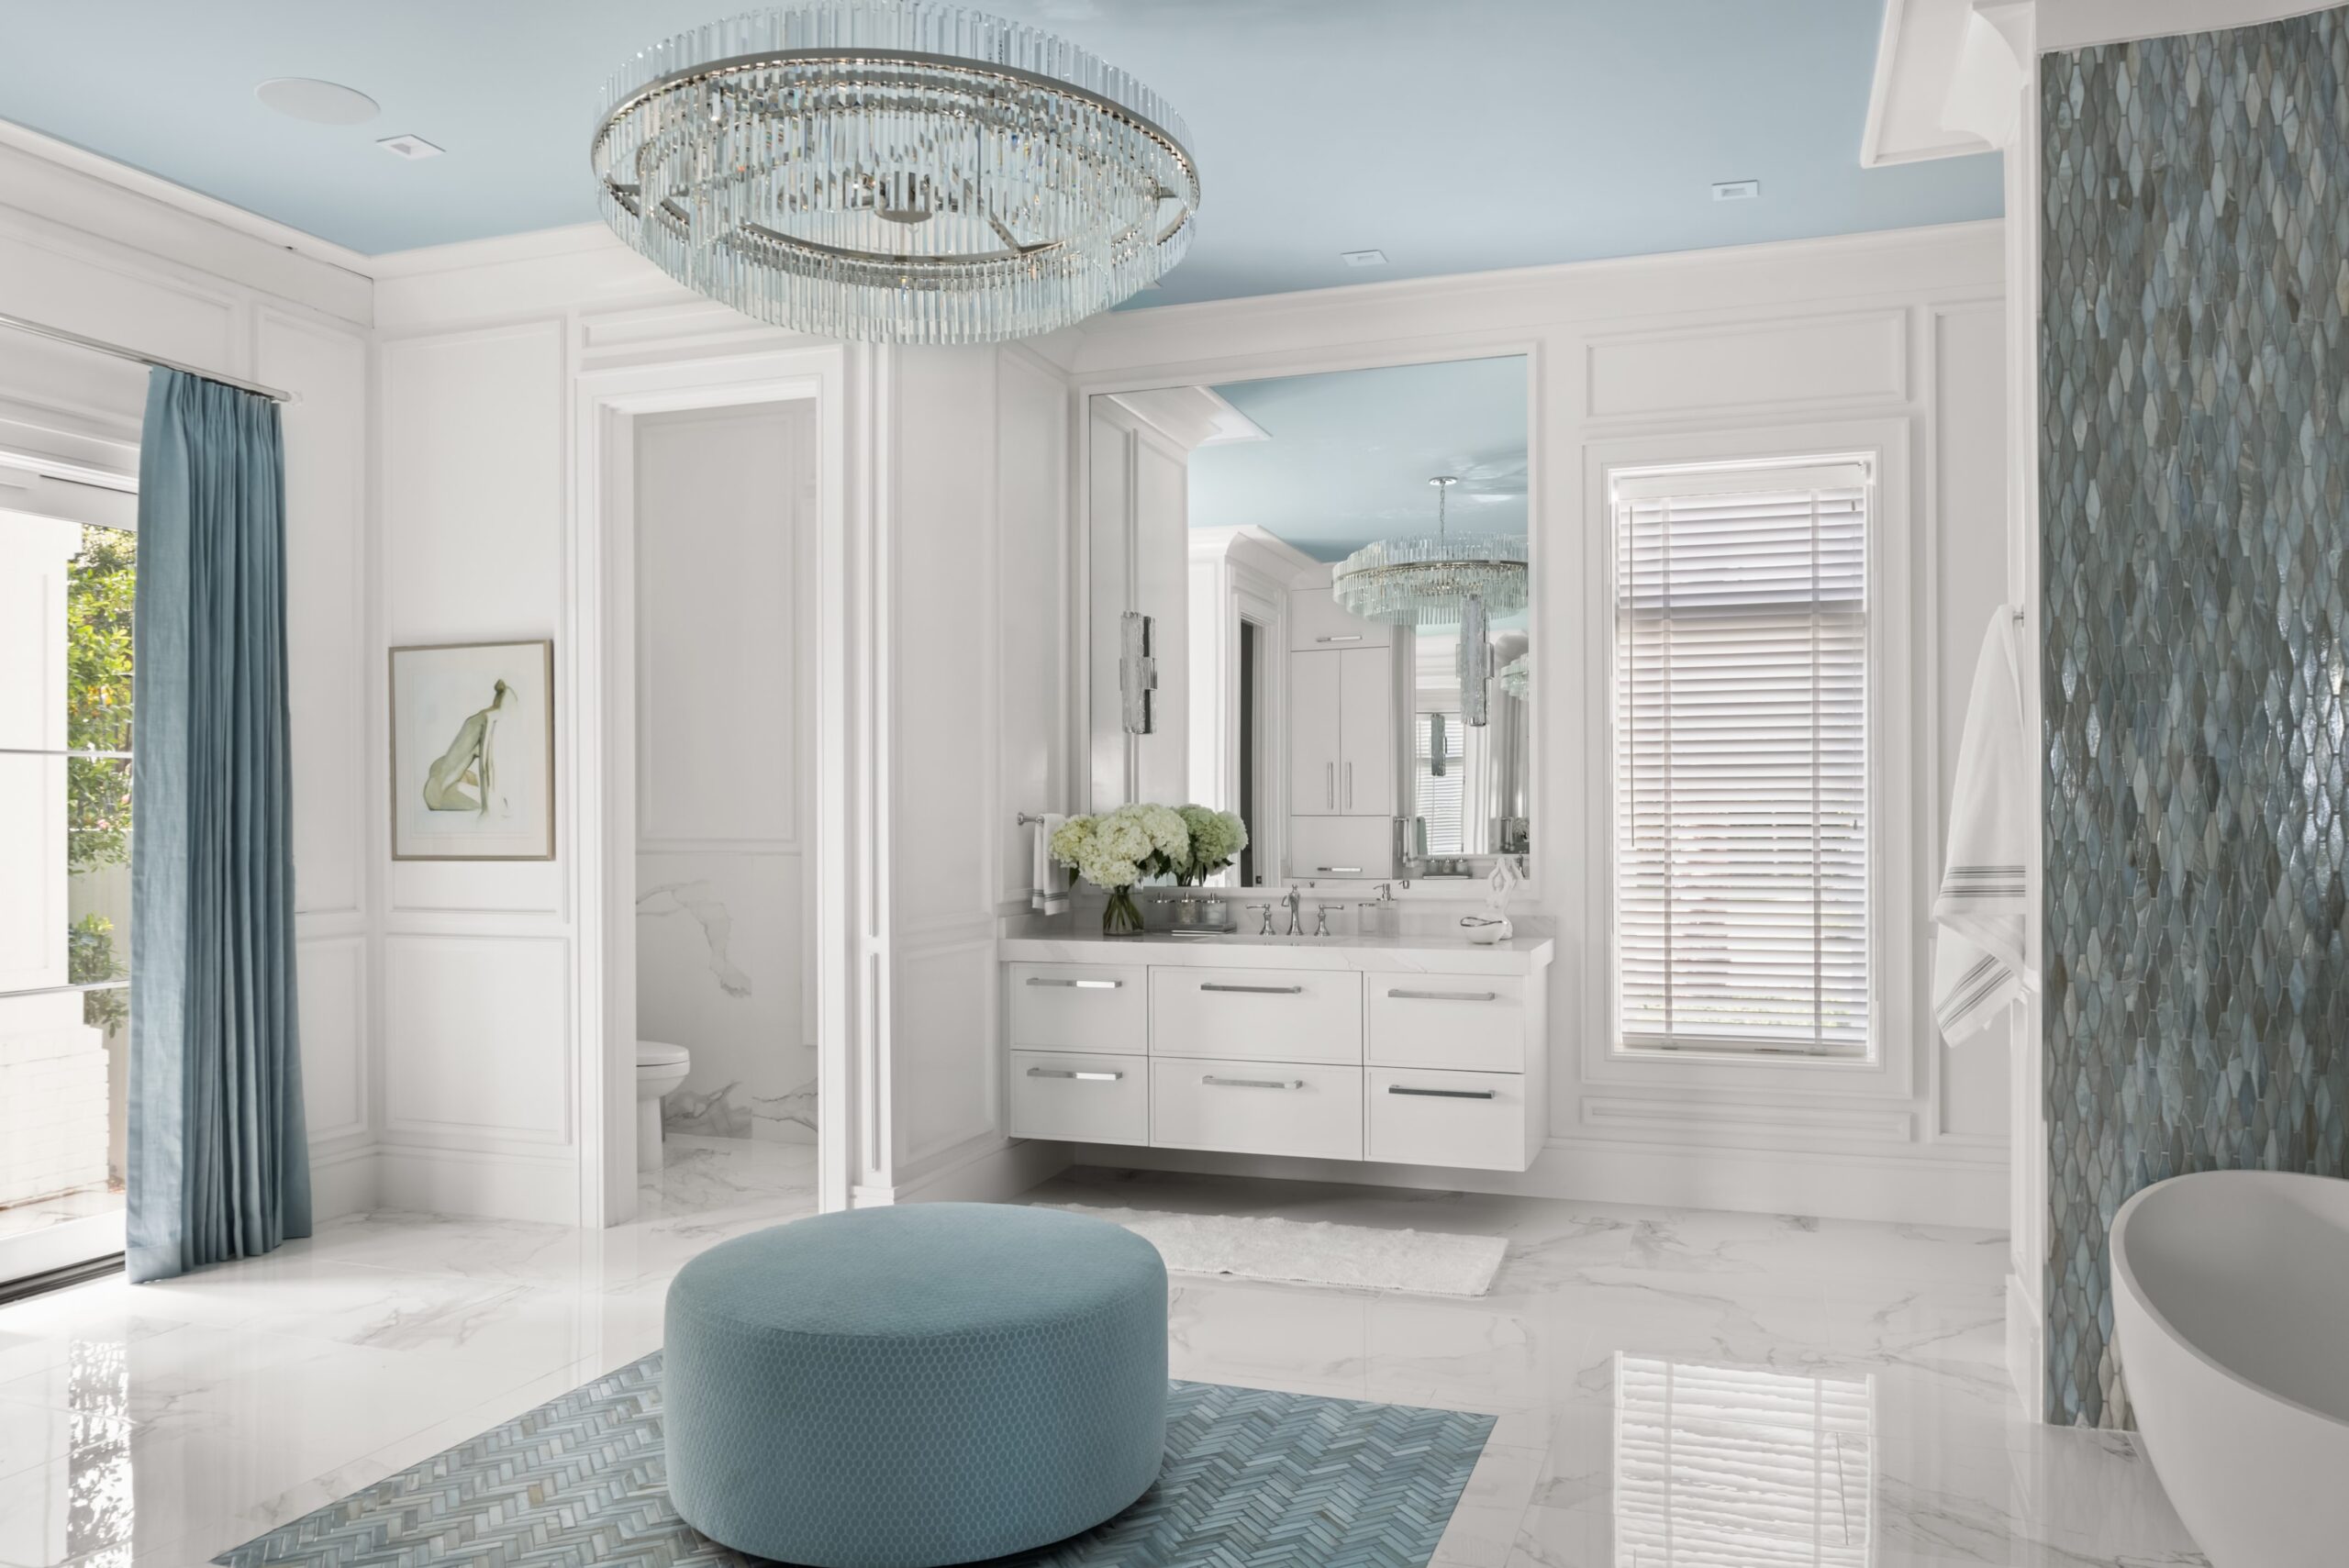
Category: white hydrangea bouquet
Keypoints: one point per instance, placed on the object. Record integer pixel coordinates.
(1217, 838)
(1118, 849)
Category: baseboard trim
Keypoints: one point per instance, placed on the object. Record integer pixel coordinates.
(343, 1182)
(477, 1184)
(1964, 1194)
(992, 1175)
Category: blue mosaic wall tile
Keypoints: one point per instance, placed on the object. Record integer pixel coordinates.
(2194, 453)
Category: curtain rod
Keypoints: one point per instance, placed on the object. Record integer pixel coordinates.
(58, 335)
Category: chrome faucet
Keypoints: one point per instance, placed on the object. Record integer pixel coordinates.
(1296, 902)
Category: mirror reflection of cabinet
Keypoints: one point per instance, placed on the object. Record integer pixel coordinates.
(1222, 512)
(1341, 732)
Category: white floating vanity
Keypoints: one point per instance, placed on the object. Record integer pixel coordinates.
(1409, 1051)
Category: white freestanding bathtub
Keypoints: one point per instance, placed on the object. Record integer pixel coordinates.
(2230, 1298)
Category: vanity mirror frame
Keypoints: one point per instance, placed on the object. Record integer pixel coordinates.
(1178, 375)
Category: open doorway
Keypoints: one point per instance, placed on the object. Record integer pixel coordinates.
(713, 683)
(725, 509)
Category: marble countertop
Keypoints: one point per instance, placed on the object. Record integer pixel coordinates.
(1418, 954)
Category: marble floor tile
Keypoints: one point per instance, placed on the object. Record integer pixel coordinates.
(151, 1427)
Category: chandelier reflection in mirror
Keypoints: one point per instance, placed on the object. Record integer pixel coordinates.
(894, 170)
(1440, 580)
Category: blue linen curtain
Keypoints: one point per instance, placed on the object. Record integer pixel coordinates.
(219, 1163)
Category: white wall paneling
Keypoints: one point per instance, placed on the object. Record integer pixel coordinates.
(976, 542)
(333, 1020)
(1894, 339)
(476, 1039)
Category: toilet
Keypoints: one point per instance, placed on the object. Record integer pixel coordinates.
(660, 1068)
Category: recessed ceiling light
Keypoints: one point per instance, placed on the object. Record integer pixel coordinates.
(1737, 190)
(408, 147)
(1362, 257)
(320, 103)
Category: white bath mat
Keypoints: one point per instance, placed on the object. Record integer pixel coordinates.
(1292, 1251)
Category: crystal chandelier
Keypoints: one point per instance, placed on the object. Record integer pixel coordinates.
(894, 170)
(1440, 580)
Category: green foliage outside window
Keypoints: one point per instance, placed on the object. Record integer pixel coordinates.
(99, 593)
(89, 956)
(98, 598)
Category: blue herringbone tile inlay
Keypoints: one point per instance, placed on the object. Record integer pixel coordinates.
(1251, 1478)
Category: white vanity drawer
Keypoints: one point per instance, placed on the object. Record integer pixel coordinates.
(1286, 1015)
(1472, 1119)
(1084, 1099)
(1079, 1007)
(1471, 1022)
(1256, 1107)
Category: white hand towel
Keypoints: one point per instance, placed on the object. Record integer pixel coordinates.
(1978, 960)
(1048, 882)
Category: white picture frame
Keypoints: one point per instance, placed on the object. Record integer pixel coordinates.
(472, 751)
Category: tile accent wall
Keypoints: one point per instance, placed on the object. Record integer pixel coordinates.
(2194, 451)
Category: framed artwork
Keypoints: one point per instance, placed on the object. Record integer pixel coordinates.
(472, 751)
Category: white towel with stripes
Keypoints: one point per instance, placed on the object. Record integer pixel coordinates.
(1049, 880)
(1978, 960)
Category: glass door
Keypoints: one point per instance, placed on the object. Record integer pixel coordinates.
(66, 683)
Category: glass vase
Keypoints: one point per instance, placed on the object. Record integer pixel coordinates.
(1121, 917)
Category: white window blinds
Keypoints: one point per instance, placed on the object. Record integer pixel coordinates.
(1740, 758)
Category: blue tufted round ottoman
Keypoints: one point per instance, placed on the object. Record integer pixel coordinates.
(904, 1387)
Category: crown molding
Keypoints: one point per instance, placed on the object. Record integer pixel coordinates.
(194, 203)
(1463, 310)
(500, 249)
(1909, 120)
(2082, 24)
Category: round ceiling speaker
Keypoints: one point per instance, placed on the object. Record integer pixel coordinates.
(320, 103)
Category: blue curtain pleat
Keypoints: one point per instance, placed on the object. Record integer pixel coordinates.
(218, 1155)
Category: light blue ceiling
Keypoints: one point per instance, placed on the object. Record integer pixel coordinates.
(1348, 455)
(1454, 135)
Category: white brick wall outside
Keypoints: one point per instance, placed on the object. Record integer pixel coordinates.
(53, 1113)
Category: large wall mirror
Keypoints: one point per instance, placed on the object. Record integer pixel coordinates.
(1310, 605)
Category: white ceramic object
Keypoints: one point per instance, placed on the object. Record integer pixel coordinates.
(2229, 1290)
(660, 1068)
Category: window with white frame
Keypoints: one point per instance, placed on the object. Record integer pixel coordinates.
(1740, 736)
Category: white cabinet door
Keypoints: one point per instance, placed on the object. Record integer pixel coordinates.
(1256, 1107)
(1476, 1120)
(1314, 715)
(1366, 732)
(1341, 846)
(1079, 1007)
(1264, 1015)
(1469, 1022)
(1315, 622)
(1083, 1099)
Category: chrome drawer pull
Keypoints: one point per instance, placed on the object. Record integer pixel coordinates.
(1253, 1083)
(1350, 637)
(1444, 1093)
(1079, 985)
(1447, 996)
(1071, 1073)
(1257, 990)
(1357, 870)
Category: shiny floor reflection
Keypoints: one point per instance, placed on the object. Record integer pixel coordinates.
(1736, 1467)
(1673, 1389)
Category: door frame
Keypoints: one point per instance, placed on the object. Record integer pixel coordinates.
(601, 665)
